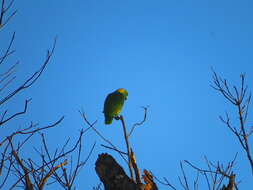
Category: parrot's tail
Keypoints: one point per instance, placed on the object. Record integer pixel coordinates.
(108, 120)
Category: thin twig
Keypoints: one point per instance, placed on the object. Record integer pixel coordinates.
(111, 148)
(16, 114)
(8, 50)
(139, 123)
(31, 80)
(91, 125)
(241, 99)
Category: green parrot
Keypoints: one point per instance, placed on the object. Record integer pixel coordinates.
(113, 104)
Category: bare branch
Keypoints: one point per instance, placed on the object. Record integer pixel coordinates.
(31, 80)
(91, 125)
(4, 10)
(136, 169)
(16, 114)
(8, 50)
(28, 184)
(30, 130)
(44, 180)
(206, 171)
(241, 100)
(111, 148)
(9, 71)
(130, 164)
(217, 173)
(140, 123)
(46, 164)
(185, 182)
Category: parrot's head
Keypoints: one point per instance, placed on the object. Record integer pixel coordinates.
(123, 92)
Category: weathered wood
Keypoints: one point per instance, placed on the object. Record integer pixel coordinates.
(112, 174)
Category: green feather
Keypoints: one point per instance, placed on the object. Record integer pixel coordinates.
(108, 120)
(113, 104)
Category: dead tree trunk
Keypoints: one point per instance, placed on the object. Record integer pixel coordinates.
(112, 174)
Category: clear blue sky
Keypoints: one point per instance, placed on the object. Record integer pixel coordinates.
(160, 51)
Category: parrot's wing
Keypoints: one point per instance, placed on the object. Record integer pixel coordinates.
(109, 108)
(113, 106)
(108, 104)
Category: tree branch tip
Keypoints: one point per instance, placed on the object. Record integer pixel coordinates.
(28, 100)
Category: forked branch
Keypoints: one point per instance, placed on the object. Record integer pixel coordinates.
(32, 79)
(240, 98)
(4, 10)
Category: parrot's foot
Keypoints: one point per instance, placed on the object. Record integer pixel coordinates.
(117, 118)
